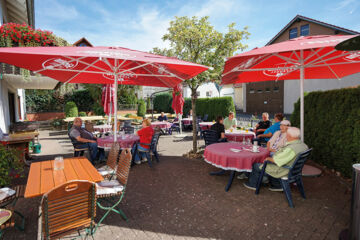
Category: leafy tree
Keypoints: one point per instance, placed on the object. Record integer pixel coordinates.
(196, 40)
(126, 94)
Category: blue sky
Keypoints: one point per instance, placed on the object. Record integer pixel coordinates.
(141, 24)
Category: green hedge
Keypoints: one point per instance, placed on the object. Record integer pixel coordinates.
(71, 109)
(332, 127)
(218, 106)
(141, 108)
(162, 102)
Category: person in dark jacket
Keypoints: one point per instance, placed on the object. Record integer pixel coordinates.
(220, 129)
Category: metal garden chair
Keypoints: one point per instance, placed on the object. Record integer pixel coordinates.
(152, 150)
(111, 192)
(78, 151)
(210, 137)
(108, 171)
(129, 130)
(294, 176)
(67, 209)
(9, 204)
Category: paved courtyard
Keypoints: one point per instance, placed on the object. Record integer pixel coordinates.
(178, 199)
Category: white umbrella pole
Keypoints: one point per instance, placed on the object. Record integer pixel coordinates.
(180, 120)
(109, 117)
(302, 102)
(115, 107)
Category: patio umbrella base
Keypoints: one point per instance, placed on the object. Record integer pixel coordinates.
(179, 136)
(310, 171)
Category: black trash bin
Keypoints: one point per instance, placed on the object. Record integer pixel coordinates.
(353, 233)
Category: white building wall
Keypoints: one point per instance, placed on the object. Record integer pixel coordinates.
(210, 90)
(5, 88)
(292, 88)
(147, 91)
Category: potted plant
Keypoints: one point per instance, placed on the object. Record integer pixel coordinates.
(11, 165)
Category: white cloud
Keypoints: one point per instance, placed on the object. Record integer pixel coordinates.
(59, 12)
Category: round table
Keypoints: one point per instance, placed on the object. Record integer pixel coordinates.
(206, 125)
(125, 141)
(186, 121)
(220, 155)
(4, 215)
(103, 128)
(239, 135)
(161, 125)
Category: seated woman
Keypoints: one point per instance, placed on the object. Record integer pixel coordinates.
(262, 125)
(145, 134)
(278, 140)
(220, 129)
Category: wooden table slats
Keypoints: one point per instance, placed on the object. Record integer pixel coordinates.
(42, 176)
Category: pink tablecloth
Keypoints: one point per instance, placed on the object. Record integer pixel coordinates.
(103, 128)
(161, 125)
(125, 141)
(206, 125)
(187, 121)
(221, 156)
(238, 135)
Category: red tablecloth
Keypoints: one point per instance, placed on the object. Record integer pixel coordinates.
(238, 135)
(161, 125)
(221, 156)
(206, 125)
(103, 128)
(125, 141)
(187, 121)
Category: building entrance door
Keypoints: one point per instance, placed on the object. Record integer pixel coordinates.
(11, 98)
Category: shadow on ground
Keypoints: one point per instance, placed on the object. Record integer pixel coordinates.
(178, 199)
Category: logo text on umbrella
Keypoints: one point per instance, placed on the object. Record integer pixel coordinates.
(281, 71)
(59, 63)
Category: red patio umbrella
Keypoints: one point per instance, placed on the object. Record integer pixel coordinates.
(108, 98)
(178, 103)
(312, 57)
(102, 65)
(178, 100)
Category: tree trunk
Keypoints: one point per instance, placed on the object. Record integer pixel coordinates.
(194, 118)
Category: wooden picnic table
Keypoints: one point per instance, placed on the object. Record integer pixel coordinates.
(42, 176)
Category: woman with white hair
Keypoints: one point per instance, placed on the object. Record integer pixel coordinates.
(278, 140)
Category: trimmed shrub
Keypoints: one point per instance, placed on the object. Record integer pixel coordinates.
(141, 108)
(162, 103)
(332, 127)
(218, 106)
(71, 109)
(82, 114)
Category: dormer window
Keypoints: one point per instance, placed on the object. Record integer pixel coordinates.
(293, 33)
(305, 30)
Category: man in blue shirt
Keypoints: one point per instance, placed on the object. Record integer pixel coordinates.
(162, 117)
(263, 138)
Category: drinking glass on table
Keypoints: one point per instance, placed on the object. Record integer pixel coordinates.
(248, 141)
(59, 163)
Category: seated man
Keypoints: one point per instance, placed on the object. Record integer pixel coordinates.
(284, 157)
(85, 139)
(278, 140)
(265, 137)
(162, 117)
(230, 121)
(262, 125)
(220, 129)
